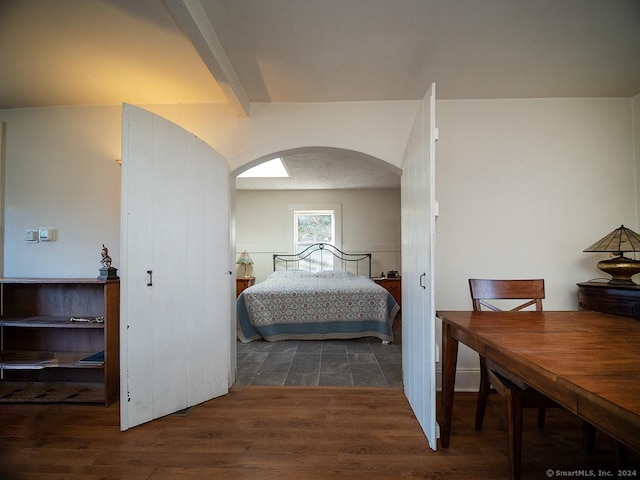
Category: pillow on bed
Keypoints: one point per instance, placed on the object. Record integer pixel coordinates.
(334, 274)
(282, 274)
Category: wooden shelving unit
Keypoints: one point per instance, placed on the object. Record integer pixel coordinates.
(47, 327)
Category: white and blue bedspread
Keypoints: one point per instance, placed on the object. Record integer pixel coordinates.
(304, 305)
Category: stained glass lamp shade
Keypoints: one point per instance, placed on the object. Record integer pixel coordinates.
(245, 260)
(618, 242)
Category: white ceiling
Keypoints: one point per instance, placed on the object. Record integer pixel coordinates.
(327, 168)
(86, 52)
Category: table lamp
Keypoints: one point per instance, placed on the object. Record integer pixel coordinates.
(618, 242)
(246, 260)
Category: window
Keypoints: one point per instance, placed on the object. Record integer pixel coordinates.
(316, 225)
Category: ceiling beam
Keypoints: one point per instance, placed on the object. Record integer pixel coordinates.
(193, 21)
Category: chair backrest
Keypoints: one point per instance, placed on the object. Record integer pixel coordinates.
(483, 290)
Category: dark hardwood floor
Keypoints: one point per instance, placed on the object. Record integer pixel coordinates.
(314, 433)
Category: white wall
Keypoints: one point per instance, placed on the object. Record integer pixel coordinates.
(370, 223)
(61, 172)
(379, 129)
(524, 186)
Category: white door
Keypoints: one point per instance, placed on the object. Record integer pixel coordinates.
(175, 269)
(418, 229)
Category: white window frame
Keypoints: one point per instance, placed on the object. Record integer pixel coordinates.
(334, 208)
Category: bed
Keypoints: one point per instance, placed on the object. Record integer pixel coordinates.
(319, 294)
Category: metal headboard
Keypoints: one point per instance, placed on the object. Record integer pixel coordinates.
(324, 256)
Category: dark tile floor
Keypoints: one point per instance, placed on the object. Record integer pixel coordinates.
(359, 362)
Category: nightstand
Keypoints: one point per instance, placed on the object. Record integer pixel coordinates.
(244, 282)
(393, 286)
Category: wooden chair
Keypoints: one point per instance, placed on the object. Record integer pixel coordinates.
(514, 390)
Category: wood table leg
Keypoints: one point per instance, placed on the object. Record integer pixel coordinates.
(449, 364)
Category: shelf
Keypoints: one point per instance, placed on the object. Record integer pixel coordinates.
(48, 321)
(37, 360)
(21, 392)
(44, 281)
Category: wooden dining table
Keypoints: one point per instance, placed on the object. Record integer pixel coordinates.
(588, 362)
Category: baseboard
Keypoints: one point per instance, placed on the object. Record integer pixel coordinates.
(467, 379)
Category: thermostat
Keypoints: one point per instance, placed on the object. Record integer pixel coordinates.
(46, 234)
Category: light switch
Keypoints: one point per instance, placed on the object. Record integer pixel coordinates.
(31, 236)
(46, 234)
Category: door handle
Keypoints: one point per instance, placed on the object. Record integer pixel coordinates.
(421, 277)
(150, 280)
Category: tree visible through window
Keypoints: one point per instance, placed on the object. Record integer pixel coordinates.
(315, 226)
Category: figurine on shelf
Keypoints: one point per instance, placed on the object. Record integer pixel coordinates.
(106, 259)
(107, 272)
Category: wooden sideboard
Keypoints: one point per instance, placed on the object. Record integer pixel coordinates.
(623, 300)
(393, 286)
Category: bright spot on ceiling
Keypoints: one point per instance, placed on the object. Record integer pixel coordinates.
(270, 169)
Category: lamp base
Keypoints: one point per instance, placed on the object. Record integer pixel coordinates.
(621, 269)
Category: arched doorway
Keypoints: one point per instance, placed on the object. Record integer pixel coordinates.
(367, 191)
